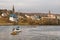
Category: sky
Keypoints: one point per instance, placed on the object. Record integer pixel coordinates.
(32, 5)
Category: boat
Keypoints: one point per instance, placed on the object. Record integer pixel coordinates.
(16, 31)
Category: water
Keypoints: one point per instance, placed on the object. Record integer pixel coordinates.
(31, 33)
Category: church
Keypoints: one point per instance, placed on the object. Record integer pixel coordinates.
(13, 17)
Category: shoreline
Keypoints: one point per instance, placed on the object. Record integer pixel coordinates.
(27, 25)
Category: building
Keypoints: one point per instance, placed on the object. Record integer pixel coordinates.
(3, 14)
(35, 17)
(51, 15)
(13, 17)
(27, 16)
(58, 17)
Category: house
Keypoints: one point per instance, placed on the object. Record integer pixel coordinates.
(13, 17)
(58, 17)
(35, 17)
(51, 16)
(27, 16)
(3, 14)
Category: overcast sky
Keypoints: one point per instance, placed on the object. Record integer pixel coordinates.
(31, 5)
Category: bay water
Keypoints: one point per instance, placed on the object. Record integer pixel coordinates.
(31, 33)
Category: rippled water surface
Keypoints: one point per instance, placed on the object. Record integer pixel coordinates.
(31, 33)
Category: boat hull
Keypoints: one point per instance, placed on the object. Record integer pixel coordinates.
(15, 32)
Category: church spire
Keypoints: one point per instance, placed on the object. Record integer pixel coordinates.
(49, 12)
(13, 9)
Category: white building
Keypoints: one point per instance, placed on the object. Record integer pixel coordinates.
(13, 17)
(3, 14)
(51, 15)
(27, 16)
(58, 17)
(35, 17)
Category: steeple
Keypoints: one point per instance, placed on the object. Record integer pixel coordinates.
(49, 12)
(13, 9)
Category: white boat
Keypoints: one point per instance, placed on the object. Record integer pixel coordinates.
(15, 31)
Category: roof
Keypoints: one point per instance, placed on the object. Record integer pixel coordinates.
(13, 15)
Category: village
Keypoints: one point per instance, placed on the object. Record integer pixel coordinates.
(10, 17)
